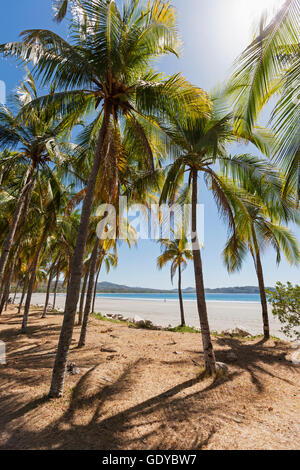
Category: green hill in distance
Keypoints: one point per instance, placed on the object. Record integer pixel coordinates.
(108, 287)
(111, 288)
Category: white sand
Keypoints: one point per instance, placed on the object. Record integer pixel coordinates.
(222, 315)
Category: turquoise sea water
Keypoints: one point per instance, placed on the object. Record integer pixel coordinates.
(186, 297)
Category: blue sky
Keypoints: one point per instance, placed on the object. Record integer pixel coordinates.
(213, 32)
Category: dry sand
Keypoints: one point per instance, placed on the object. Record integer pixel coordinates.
(147, 394)
(222, 315)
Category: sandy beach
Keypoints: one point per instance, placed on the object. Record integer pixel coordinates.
(222, 315)
(141, 390)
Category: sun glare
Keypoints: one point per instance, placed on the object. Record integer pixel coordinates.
(257, 7)
(245, 14)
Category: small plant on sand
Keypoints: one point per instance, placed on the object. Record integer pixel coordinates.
(285, 300)
(101, 317)
(184, 329)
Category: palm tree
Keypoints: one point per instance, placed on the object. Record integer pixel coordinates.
(177, 252)
(108, 65)
(270, 66)
(49, 284)
(99, 253)
(196, 149)
(110, 259)
(257, 222)
(49, 205)
(36, 145)
(60, 8)
(61, 243)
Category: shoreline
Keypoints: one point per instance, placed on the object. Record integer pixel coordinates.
(222, 315)
(145, 299)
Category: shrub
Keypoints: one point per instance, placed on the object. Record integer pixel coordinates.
(285, 300)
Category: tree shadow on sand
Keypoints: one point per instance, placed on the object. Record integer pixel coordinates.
(118, 412)
(257, 359)
(152, 423)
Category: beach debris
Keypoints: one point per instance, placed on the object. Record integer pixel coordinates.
(178, 352)
(173, 342)
(108, 349)
(231, 356)
(296, 358)
(195, 363)
(107, 330)
(221, 368)
(111, 357)
(139, 321)
(236, 332)
(118, 316)
(72, 369)
(237, 420)
(105, 379)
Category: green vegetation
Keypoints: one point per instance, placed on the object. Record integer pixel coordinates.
(183, 329)
(285, 301)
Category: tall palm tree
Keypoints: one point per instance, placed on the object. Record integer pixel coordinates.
(107, 64)
(61, 243)
(258, 222)
(110, 259)
(177, 252)
(196, 149)
(99, 253)
(49, 204)
(270, 67)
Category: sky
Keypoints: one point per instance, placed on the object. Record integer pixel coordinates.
(214, 33)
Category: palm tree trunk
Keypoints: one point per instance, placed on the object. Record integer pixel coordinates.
(209, 355)
(16, 290)
(180, 297)
(95, 289)
(48, 292)
(263, 297)
(89, 296)
(59, 370)
(2, 288)
(32, 281)
(23, 291)
(56, 285)
(17, 216)
(82, 297)
(5, 295)
(6, 292)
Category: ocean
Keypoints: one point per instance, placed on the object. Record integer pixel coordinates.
(253, 298)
